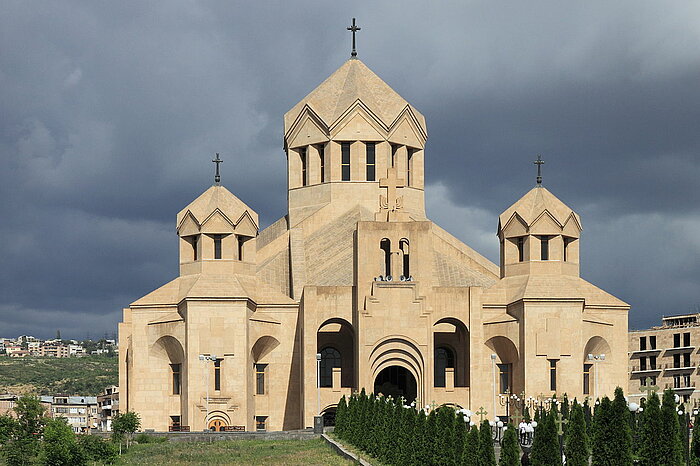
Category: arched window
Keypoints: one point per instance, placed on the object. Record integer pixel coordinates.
(385, 245)
(444, 358)
(330, 358)
(403, 245)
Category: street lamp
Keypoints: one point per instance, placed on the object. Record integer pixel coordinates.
(595, 359)
(204, 358)
(493, 369)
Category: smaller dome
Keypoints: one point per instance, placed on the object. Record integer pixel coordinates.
(217, 198)
(532, 205)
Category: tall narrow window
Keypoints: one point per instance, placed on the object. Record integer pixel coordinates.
(553, 374)
(302, 155)
(676, 340)
(676, 361)
(217, 246)
(371, 161)
(642, 364)
(652, 362)
(686, 359)
(444, 358)
(505, 375)
(686, 339)
(195, 242)
(409, 166)
(260, 379)
(241, 241)
(403, 245)
(345, 161)
(652, 342)
(394, 150)
(544, 247)
(385, 245)
(330, 358)
(567, 242)
(587, 379)
(642, 343)
(521, 248)
(322, 156)
(217, 374)
(176, 378)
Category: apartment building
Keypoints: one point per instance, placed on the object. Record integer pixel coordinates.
(80, 411)
(108, 407)
(664, 357)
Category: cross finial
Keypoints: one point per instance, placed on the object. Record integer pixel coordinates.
(539, 162)
(217, 176)
(560, 423)
(649, 389)
(354, 29)
(482, 412)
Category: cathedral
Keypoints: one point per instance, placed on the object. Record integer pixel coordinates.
(356, 288)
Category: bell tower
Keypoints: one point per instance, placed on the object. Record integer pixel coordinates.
(345, 136)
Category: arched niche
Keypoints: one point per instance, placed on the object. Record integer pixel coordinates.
(452, 335)
(395, 350)
(507, 361)
(339, 335)
(263, 347)
(168, 348)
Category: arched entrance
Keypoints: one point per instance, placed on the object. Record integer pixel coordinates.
(397, 382)
(217, 425)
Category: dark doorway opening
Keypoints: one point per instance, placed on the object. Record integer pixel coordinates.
(396, 382)
(329, 417)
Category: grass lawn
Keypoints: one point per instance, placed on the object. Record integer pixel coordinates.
(262, 452)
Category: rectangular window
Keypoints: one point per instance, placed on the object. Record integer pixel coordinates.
(194, 247)
(676, 361)
(371, 161)
(394, 149)
(409, 175)
(642, 364)
(652, 362)
(686, 360)
(217, 246)
(676, 340)
(652, 342)
(260, 379)
(566, 246)
(642, 343)
(686, 339)
(521, 248)
(217, 374)
(176, 378)
(504, 378)
(345, 161)
(261, 423)
(175, 421)
(652, 380)
(676, 381)
(322, 156)
(302, 155)
(553, 374)
(587, 379)
(686, 381)
(544, 248)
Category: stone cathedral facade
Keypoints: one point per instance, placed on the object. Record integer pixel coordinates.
(358, 274)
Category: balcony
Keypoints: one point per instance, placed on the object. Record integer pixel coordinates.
(646, 351)
(685, 387)
(680, 349)
(645, 370)
(672, 368)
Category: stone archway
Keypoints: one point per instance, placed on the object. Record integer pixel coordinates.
(397, 382)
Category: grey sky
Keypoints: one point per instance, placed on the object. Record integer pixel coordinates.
(111, 111)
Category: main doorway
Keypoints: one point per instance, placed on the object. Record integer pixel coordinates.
(396, 381)
(217, 425)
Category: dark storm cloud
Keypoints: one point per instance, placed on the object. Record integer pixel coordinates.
(110, 113)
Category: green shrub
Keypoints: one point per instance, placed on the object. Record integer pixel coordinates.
(98, 449)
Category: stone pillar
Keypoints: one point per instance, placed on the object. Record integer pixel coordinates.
(333, 158)
(313, 165)
(293, 168)
(450, 379)
(358, 161)
(337, 379)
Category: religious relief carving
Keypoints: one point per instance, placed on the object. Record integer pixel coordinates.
(391, 205)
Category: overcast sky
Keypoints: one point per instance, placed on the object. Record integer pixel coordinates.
(110, 113)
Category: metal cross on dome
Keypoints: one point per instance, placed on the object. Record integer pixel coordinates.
(353, 29)
(539, 162)
(217, 161)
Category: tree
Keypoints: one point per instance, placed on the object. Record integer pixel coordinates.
(618, 431)
(576, 444)
(470, 452)
(126, 423)
(30, 415)
(60, 447)
(651, 449)
(340, 417)
(545, 446)
(8, 425)
(510, 450)
(487, 456)
(695, 444)
(672, 447)
(22, 444)
(97, 449)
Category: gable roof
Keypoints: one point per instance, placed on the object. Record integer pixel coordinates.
(533, 204)
(351, 82)
(216, 197)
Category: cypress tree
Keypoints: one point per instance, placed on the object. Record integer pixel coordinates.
(526, 414)
(487, 456)
(651, 441)
(618, 432)
(430, 438)
(470, 452)
(340, 417)
(587, 415)
(510, 450)
(460, 439)
(565, 407)
(695, 444)
(672, 448)
(545, 446)
(576, 444)
(684, 431)
(444, 435)
(604, 450)
(406, 437)
(422, 453)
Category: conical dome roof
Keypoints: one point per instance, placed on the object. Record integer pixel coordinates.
(217, 197)
(531, 206)
(352, 81)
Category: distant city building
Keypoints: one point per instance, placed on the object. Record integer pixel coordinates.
(81, 412)
(665, 357)
(108, 407)
(8, 402)
(55, 350)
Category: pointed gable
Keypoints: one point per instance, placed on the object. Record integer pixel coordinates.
(246, 226)
(308, 129)
(537, 201)
(188, 225)
(217, 198)
(217, 223)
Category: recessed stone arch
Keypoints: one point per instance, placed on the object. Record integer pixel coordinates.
(263, 347)
(506, 354)
(452, 333)
(399, 351)
(339, 334)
